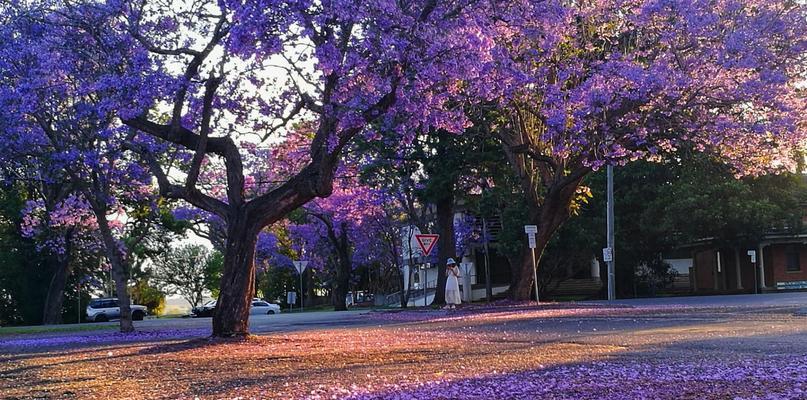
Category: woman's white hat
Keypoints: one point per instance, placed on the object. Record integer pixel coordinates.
(450, 261)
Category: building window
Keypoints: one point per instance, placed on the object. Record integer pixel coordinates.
(792, 259)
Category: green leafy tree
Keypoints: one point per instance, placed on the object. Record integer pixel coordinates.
(662, 206)
(183, 271)
(23, 284)
(144, 293)
(213, 270)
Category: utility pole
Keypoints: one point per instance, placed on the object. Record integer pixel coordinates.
(609, 255)
(78, 296)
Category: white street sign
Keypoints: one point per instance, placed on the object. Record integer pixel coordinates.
(531, 237)
(753, 254)
(530, 229)
(300, 266)
(607, 254)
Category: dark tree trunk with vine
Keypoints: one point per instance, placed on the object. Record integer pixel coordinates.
(117, 260)
(55, 297)
(446, 245)
(549, 184)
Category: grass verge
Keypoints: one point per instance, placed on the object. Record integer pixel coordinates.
(29, 330)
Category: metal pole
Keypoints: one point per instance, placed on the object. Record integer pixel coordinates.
(534, 274)
(488, 285)
(78, 296)
(301, 292)
(425, 283)
(610, 223)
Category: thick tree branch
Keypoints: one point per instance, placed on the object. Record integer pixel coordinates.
(207, 110)
(222, 146)
(525, 149)
(192, 195)
(219, 32)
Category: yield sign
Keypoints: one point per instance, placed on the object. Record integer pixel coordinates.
(300, 266)
(427, 242)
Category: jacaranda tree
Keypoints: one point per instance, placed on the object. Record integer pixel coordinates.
(608, 82)
(205, 76)
(68, 139)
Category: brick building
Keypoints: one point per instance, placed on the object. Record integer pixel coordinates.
(781, 264)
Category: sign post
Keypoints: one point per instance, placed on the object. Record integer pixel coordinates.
(426, 242)
(291, 298)
(753, 255)
(465, 268)
(300, 267)
(531, 230)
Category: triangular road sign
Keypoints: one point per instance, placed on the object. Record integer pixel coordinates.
(427, 242)
(300, 266)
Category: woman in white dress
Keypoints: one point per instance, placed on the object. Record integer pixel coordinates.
(452, 284)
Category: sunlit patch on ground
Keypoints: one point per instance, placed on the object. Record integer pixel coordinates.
(511, 351)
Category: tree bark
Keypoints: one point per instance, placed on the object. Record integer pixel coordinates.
(343, 270)
(523, 277)
(445, 226)
(405, 284)
(52, 314)
(308, 281)
(119, 268)
(549, 215)
(231, 317)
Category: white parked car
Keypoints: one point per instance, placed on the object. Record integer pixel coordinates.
(263, 307)
(102, 310)
(258, 307)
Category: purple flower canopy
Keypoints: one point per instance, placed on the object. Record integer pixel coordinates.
(89, 88)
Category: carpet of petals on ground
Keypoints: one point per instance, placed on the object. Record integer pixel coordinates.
(513, 351)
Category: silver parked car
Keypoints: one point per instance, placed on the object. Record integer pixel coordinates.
(258, 306)
(102, 310)
(263, 307)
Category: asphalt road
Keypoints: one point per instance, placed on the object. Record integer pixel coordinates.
(754, 310)
(283, 322)
(718, 347)
(713, 307)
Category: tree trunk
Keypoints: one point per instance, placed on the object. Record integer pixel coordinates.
(343, 269)
(445, 226)
(119, 269)
(231, 317)
(308, 281)
(404, 287)
(549, 216)
(523, 277)
(52, 314)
